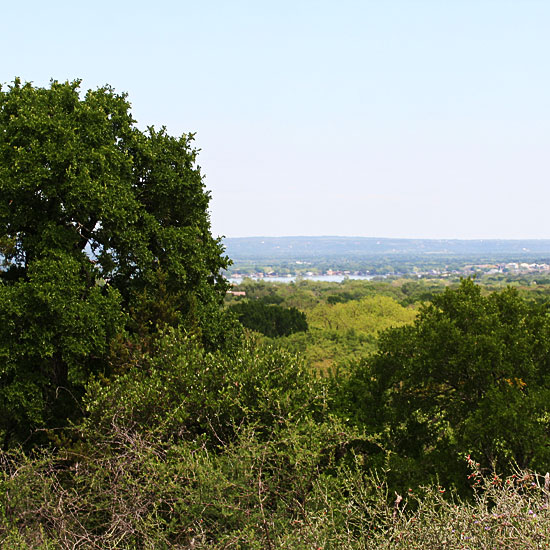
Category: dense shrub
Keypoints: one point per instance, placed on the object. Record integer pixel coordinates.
(181, 392)
(187, 447)
(256, 495)
(471, 374)
(270, 319)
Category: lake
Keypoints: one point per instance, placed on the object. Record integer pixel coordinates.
(328, 278)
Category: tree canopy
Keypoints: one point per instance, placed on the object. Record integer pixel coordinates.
(270, 319)
(104, 230)
(471, 375)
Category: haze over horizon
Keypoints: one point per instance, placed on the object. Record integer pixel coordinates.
(391, 119)
(376, 237)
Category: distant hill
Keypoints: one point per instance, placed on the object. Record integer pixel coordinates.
(247, 248)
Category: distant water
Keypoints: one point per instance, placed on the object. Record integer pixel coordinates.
(328, 278)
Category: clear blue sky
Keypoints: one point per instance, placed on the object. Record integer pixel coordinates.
(385, 118)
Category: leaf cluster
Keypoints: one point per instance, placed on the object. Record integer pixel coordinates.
(270, 319)
(470, 374)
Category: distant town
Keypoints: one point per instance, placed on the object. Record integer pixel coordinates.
(512, 268)
(277, 258)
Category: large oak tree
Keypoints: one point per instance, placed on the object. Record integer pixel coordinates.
(104, 230)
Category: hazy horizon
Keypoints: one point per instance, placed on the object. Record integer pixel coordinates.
(376, 237)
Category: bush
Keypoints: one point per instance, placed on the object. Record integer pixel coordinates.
(469, 374)
(270, 319)
(188, 449)
(267, 494)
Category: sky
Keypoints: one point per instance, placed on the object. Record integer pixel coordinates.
(377, 118)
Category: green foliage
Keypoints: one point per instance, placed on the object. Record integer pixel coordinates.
(369, 315)
(471, 374)
(54, 330)
(341, 332)
(181, 391)
(256, 495)
(270, 319)
(182, 437)
(344, 319)
(305, 294)
(187, 448)
(102, 228)
(194, 449)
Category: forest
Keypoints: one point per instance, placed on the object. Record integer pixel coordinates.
(145, 402)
